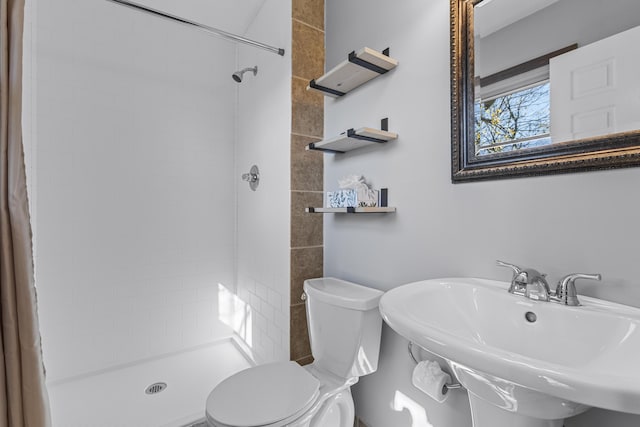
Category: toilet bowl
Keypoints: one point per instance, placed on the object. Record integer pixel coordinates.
(281, 394)
(344, 330)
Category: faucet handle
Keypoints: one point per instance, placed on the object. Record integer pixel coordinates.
(518, 285)
(516, 270)
(566, 291)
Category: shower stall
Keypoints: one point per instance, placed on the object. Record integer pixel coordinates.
(155, 262)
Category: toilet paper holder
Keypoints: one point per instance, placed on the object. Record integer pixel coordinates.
(448, 386)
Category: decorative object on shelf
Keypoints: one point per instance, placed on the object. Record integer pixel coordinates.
(342, 198)
(354, 139)
(354, 192)
(367, 197)
(383, 198)
(359, 68)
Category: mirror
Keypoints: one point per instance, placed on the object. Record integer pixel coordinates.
(544, 86)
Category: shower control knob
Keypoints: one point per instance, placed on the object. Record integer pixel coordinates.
(249, 177)
(253, 177)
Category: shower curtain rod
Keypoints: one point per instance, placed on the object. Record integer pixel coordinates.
(206, 28)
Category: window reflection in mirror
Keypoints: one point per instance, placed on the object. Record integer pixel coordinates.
(513, 120)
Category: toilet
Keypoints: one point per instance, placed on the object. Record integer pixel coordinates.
(344, 329)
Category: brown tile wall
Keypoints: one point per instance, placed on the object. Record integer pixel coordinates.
(307, 173)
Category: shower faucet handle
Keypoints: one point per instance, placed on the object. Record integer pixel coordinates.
(253, 177)
(249, 177)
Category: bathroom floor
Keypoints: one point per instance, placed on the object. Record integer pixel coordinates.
(117, 398)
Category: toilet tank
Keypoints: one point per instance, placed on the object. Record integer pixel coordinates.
(344, 326)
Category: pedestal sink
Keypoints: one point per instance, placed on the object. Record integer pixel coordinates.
(524, 363)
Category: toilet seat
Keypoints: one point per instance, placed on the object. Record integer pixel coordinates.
(268, 395)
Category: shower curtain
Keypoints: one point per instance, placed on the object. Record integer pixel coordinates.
(23, 396)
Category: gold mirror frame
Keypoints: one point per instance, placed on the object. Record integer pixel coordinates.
(613, 151)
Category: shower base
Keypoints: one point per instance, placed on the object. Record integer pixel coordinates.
(117, 398)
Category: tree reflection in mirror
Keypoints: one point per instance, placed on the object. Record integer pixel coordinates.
(514, 120)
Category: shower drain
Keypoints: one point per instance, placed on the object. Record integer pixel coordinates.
(155, 388)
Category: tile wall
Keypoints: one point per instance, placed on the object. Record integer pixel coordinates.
(307, 125)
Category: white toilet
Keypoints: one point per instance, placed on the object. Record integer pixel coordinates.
(344, 328)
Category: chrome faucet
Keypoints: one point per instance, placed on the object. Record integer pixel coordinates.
(528, 282)
(532, 284)
(566, 291)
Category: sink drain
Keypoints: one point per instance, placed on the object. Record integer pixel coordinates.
(155, 388)
(530, 316)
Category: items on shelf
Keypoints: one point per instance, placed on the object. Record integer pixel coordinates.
(355, 196)
(354, 192)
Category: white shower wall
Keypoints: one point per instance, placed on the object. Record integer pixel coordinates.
(264, 126)
(133, 183)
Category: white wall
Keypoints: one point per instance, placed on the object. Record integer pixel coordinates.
(264, 127)
(566, 22)
(559, 224)
(133, 148)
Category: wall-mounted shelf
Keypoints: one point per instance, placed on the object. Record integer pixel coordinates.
(350, 210)
(359, 68)
(353, 139)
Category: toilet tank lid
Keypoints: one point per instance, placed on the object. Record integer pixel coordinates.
(342, 293)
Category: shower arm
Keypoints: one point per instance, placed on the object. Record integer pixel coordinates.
(211, 30)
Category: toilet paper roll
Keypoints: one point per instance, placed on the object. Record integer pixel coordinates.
(429, 378)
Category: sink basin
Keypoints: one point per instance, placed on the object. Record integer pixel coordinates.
(539, 359)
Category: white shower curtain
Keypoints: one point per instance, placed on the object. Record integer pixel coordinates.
(23, 396)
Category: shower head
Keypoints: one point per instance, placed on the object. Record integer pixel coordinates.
(237, 76)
